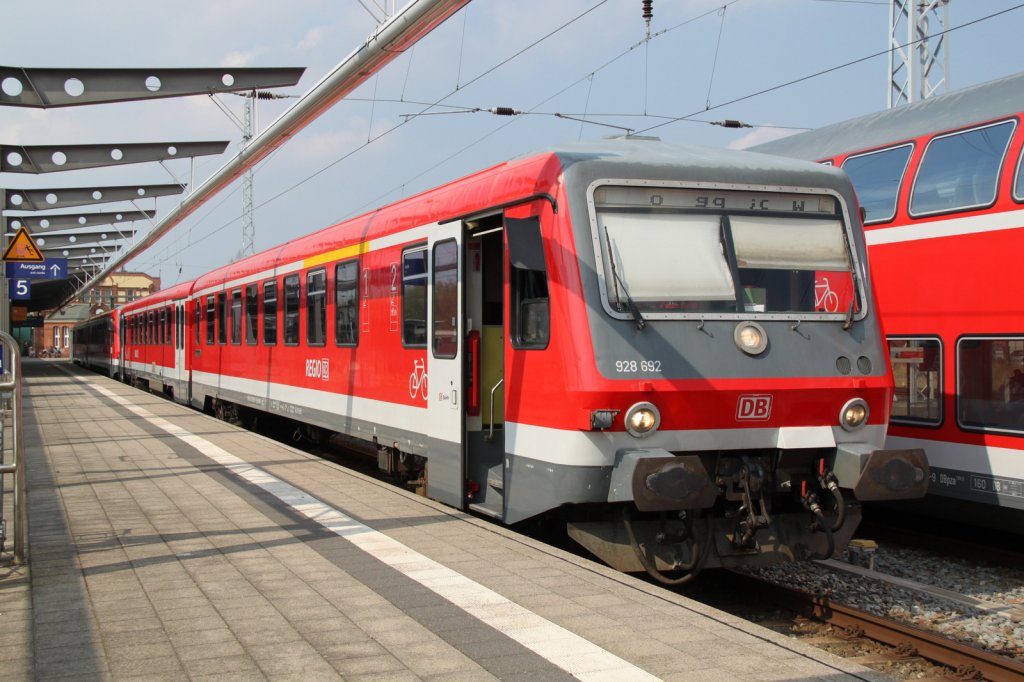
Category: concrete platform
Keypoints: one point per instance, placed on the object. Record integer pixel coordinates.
(164, 544)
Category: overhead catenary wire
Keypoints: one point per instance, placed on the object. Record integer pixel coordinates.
(832, 69)
(404, 122)
(439, 103)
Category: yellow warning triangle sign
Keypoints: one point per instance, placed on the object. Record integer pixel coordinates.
(22, 249)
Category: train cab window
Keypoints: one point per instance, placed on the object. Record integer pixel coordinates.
(292, 296)
(917, 369)
(211, 321)
(222, 317)
(1018, 183)
(445, 309)
(270, 313)
(346, 303)
(680, 253)
(252, 309)
(960, 171)
(414, 297)
(528, 284)
(877, 177)
(316, 307)
(990, 384)
(236, 317)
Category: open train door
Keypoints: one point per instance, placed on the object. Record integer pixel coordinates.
(445, 360)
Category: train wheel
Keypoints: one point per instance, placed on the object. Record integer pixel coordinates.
(698, 553)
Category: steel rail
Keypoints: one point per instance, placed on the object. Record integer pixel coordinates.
(391, 39)
(928, 645)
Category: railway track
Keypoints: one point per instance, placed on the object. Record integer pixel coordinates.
(903, 642)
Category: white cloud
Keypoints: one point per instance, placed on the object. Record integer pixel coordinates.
(313, 37)
(760, 135)
(240, 58)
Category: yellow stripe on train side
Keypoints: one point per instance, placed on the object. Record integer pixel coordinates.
(336, 254)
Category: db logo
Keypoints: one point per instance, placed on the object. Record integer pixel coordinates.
(754, 408)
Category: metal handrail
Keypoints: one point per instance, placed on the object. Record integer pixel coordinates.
(11, 381)
(490, 434)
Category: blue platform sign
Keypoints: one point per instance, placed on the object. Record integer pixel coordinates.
(19, 289)
(51, 268)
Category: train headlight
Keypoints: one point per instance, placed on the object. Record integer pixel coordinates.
(642, 420)
(751, 338)
(854, 414)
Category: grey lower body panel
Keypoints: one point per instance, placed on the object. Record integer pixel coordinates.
(534, 487)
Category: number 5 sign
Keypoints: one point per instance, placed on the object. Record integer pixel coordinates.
(20, 289)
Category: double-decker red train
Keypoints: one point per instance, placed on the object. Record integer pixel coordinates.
(673, 350)
(942, 186)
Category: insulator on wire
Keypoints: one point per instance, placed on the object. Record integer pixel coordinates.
(504, 111)
(731, 123)
(648, 11)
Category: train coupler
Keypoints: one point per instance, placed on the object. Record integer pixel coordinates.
(881, 474)
(657, 480)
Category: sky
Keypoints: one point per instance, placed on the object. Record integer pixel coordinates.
(779, 65)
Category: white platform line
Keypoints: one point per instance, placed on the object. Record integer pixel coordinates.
(579, 657)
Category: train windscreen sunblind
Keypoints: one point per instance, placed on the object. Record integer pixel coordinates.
(680, 251)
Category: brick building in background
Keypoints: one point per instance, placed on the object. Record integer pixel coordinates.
(53, 339)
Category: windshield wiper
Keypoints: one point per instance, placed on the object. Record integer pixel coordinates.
(640, 321)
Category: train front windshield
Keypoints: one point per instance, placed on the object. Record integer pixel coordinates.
(671, 252)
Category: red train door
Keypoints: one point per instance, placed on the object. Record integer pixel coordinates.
(445, 358)
(180, 354)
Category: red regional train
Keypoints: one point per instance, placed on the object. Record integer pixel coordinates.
(942, 185)
(673, 350)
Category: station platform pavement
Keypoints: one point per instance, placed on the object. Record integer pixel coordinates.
(165, 544)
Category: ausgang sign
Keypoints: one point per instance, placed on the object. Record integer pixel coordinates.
(51, 268)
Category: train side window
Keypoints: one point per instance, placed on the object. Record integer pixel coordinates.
(530, 305)
(236, 317)
(877, 177)
(346, 303)
(161, 328)
(151, 328)
(222, 317)
(445, 310)
(990, 384)
(960, 171)
(414, 297)
(252, 309)
(917, 369)
(291, 310)
(316, 307)
(270, 313)
(211, 325)
(197, 317)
